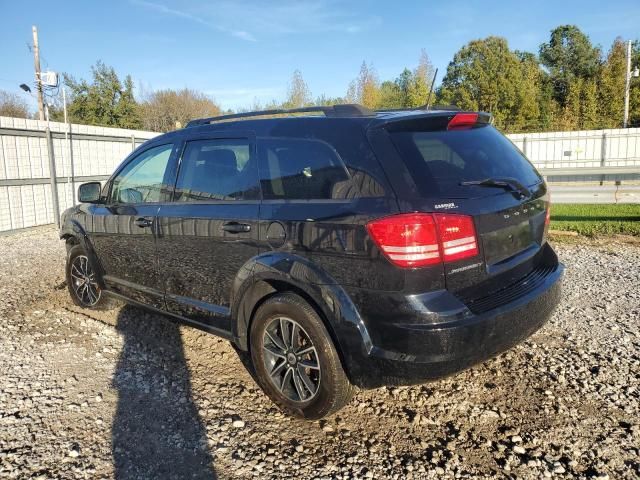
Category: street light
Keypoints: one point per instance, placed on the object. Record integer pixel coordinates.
(25, 87)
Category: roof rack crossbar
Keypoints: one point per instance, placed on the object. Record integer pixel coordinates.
(345, 110)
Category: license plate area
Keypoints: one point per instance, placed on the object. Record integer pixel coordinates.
(506, 242)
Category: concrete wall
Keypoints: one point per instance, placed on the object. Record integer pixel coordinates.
(25, 191)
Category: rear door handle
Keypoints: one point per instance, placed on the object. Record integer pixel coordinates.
(235, 227)
(143, 222)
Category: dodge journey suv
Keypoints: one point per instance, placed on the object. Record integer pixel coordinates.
(339, 247)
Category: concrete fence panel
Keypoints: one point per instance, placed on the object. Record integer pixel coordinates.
(82, 153)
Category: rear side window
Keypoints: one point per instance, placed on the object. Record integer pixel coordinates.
(217, 169)
(301, 169)
(439, 160)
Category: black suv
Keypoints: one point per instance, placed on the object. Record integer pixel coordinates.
(338, 246)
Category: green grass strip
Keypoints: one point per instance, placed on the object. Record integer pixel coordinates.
(596, 219)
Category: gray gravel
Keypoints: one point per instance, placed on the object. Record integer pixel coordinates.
(129, 394)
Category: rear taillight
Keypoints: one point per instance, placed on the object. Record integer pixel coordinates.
(462, 121)
(547, 217)
(409, 240)
(457, 235)
(419, 239)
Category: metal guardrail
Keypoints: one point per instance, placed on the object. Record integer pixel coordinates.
(548, 172)
(15, 182)
(594, 194)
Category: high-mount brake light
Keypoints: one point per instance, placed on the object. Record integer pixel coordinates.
(419, 239)
(462, 121)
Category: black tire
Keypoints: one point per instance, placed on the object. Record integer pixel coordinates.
(332, 387)
(87, 294)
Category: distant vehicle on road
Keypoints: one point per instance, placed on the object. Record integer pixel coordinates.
(338, 246)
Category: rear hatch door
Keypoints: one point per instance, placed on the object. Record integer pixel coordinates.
(472, 169)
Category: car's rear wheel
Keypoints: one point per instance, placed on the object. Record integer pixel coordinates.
(81, 280)
(295, 360)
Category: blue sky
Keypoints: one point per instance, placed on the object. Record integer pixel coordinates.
(238, 51)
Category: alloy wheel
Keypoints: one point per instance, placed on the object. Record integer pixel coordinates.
(291, 360)
(84, 282)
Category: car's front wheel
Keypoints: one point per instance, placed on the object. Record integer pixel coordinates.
(81, 280)
(295, 360)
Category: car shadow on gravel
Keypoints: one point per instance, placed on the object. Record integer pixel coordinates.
(157, 431)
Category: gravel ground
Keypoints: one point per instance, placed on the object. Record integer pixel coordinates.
(129, 394)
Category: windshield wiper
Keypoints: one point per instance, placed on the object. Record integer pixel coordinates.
(508, 183)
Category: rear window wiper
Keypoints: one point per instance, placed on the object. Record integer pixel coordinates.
(508, 183)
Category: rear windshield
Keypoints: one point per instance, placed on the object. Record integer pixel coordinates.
(440, 160)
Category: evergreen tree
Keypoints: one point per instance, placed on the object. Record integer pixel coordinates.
(611, 85)
(105, 101)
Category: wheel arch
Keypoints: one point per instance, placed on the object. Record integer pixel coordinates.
(74, 234)
(276, 273)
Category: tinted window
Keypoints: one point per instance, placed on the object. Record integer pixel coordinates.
(141, 180)
(302, 169)
(217, 169)
(440, 160)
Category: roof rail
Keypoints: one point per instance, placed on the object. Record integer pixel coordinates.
(343, 110)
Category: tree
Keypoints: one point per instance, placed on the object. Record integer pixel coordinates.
(391, 96)
(166, 110)
(298, 94)
(634, 97)
(106, 101)
(530, 112)
(569, 55)
(611, 85)
(12, 105)
(486, 75)
(417, 88)
(365, 89)
(323, 100)
(590, 117)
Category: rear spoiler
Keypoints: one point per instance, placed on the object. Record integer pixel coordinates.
(436, 120)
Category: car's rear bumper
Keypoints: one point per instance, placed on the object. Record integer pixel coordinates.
(409, 353)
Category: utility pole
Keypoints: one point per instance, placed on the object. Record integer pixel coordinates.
(627, 86)
(36, 63)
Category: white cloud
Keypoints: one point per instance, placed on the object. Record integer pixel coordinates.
(244, 35)
(248, 20)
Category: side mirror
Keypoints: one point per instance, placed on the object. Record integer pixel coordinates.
(89, 192)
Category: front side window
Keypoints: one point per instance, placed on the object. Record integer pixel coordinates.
(301, 169)
(141, 181)
(217, 169)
